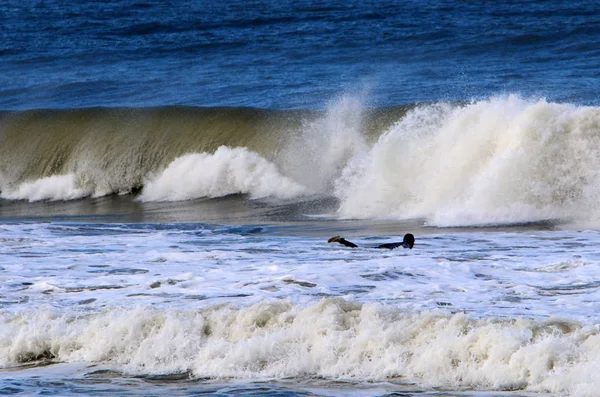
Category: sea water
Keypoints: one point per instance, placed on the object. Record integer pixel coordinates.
(170, 174)
(134, 302)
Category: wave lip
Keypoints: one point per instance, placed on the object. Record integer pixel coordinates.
(332, 338)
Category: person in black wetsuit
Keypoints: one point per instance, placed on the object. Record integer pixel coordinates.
(407, 242)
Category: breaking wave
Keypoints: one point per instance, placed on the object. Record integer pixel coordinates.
(504, 160)
(332, 338)
(497, 161)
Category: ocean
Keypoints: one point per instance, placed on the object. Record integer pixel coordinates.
(171, 172)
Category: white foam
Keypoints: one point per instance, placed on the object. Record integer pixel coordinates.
(499, 274)
(495, 161)
(332, 338)
(466, 309)
(56, 187)
(226, 171)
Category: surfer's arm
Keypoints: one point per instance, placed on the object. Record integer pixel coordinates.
(343, 241)
(391, 246)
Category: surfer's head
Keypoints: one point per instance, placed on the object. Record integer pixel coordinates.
(409, 240)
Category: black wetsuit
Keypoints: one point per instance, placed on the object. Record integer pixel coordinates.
(391, 246)
(407, 242)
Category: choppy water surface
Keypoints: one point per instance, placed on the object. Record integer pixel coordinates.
(190, 266)
(461, 310)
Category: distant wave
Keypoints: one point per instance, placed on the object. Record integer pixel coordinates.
(496, 161)
(332, 338)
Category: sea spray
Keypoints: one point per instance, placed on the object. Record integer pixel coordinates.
(503, 160)
(316, 154)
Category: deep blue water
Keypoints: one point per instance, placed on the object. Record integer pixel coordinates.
(294, 54)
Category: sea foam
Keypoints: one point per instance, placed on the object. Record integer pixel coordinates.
(226, 171)
(332, 338)
(56, 187)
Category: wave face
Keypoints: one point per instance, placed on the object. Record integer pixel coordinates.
(95, 152)
(501, 160)
(332, 338)
(177, 153)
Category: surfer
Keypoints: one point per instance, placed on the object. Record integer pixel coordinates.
(407, 242)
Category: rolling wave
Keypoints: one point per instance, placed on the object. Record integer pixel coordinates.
(333, 339)
(500, 160)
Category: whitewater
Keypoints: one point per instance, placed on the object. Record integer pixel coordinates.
(255, 306)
